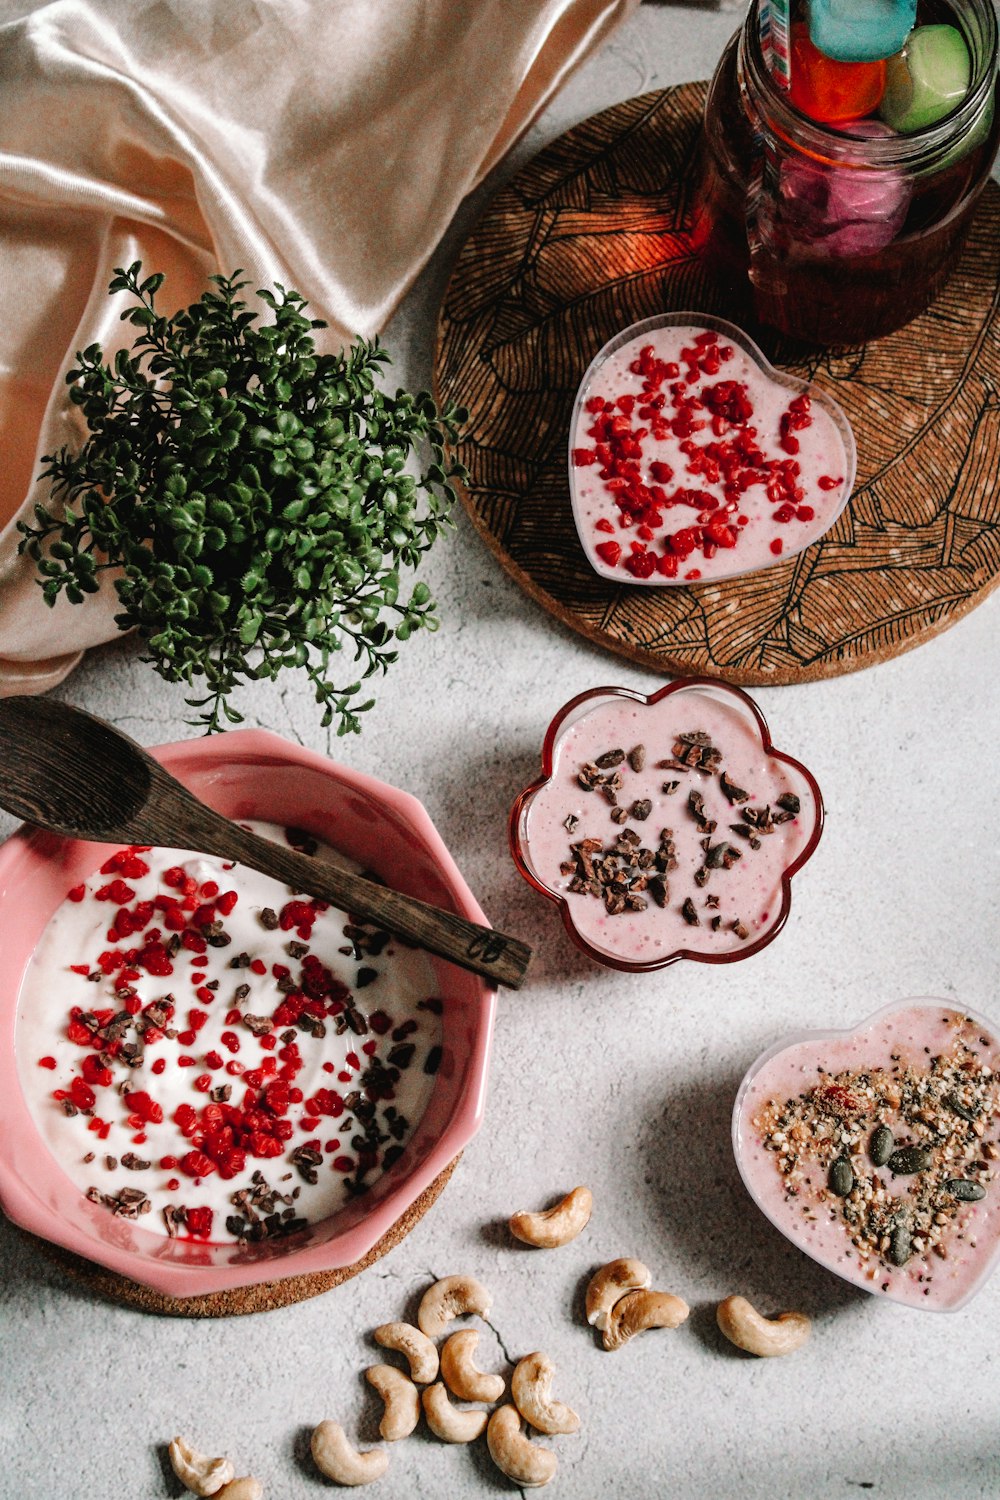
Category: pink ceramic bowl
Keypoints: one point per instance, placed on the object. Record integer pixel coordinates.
(943, 1042)
(756, 886)
(247, 774)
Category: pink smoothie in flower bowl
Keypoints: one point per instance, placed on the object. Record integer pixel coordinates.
(877, 1150)
(666, 826)
(210, 1080)
(692, 459)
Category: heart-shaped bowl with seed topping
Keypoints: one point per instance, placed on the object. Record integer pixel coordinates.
(209, 1081)
(666, 826)
(693, 459)
(875, 1150)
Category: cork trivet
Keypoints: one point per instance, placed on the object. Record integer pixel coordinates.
(593, 235)
(264, 1297)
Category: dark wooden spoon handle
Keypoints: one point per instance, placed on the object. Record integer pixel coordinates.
(495, 955)
(78, 776)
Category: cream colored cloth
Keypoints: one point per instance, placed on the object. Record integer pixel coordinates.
(324, 144)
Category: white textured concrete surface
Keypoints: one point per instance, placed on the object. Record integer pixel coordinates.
(623, 1082)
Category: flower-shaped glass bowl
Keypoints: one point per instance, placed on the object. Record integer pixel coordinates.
(762, 528)
(247, 774)
(931, 1036)
(701, 890)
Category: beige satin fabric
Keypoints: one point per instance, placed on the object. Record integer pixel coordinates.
(324, 144)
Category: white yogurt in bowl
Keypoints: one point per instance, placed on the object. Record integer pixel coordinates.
(210, 1054)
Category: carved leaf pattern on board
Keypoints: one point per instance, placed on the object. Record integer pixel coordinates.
(593, 235)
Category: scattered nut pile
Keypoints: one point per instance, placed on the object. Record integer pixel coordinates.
(620, 1302)
(405, 1395)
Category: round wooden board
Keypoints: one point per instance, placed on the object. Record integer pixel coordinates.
(593, 235)
(263, 1297)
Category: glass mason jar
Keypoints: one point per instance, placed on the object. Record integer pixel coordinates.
(830, 235)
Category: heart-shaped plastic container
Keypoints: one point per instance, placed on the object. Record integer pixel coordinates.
(632, 526)
(815, 1096)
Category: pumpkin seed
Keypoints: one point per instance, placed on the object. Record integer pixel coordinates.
(962, 1188)
(880, 1146)
(909, 1159)
(899, 1245)
(841, 1178)
(958, 1108)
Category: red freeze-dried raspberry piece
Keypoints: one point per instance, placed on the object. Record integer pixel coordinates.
(141, 1104)
(197, 1164)
(95, 1072)
(342, 1164)
(264, 1145)
(641, 564)
(609, 552)
(155, 959)
(81, 1094)
(78, 1034)
(583, 456)
(117, 891)
(276, 1097)
(198, 1222)
(226, 902)
(777, 546)
(326, 1102)
(46, 1062)
(720, 533)
(79, 891)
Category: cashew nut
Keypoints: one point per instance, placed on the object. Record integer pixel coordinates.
(420, 1352)
(610, 1283)
(530, 1385)
(459, 1371)
(202, 1475)
(449, 1298)
(515, 1454)
(446, 1421)
(402, 1401)
(334, 1457)
(748, 1329)
(555, 1226)
(639, 1310)
(247, 1488)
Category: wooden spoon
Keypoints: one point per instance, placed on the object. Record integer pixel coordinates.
(76, 775)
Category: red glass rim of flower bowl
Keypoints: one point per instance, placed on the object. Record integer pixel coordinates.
(248, 773)
(578, 708)
(932, 1005)
(792, 383)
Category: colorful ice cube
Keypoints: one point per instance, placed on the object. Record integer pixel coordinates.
(832, 92)
(838, 208)
(927, 80)
(860, 30)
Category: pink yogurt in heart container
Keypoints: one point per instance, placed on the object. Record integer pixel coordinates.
(876, 1150)
(667, 826)
(692, 459)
